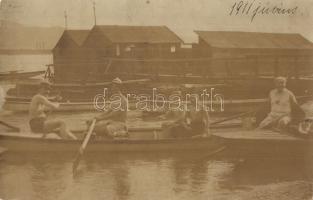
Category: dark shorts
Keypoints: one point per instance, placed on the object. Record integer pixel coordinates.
(195, 128)
(198, 127)
(37, 124)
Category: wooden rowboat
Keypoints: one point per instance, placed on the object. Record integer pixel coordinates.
(22, 106)
(265, 143)
(140, 140)
(239, 143)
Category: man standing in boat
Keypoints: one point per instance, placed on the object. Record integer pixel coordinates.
(281, 102)
(38, 119)
(112, 123)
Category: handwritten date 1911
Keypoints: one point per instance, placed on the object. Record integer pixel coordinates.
(252, 9)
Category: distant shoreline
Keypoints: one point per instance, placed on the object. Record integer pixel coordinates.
(24, 52)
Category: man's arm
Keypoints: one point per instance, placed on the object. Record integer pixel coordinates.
(48, 103)
(206, 120)
(293, 98)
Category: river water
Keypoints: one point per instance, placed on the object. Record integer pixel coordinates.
(24, 62)
(151, 177)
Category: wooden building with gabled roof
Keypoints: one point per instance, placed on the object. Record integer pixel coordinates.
(227, 43)
(254, 52)
(72, 38)
(128, 49)
(69, 56)
(118, 40)
(88, 56)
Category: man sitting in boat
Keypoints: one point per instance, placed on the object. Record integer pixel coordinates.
(193, 123)
(281, 102)
(173, 113)
(306, 126)
(112, 123)
(38, 119)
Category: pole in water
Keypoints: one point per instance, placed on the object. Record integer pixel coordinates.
(65, 19)
(94, 12)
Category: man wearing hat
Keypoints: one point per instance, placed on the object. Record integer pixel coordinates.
(112, 123)
(38, 119)
(281, 102)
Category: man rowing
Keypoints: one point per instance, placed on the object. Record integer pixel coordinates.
(112, 123)
(38, 119)
(281, 102)
(193, 122)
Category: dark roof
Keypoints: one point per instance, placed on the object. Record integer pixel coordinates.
(78, 36)
(228, 39)
(139, 34)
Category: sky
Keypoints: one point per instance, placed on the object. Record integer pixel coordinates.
(182, 16)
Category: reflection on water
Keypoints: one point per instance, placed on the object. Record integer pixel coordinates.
(146, 176)
(25, 62)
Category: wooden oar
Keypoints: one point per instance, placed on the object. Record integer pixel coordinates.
(83, 146)
(232, 117)
(14, 128)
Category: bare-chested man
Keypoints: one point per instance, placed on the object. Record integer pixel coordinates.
(281, 100)
(38, 119)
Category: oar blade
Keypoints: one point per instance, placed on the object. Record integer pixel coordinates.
(76, 162)
(83, 146)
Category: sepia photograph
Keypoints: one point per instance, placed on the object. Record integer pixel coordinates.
(156, 99)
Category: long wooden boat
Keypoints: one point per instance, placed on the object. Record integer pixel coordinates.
(11, 75)
(140, 140)
(266, 143)
(238, 143)
(229, 106)
(22, 106)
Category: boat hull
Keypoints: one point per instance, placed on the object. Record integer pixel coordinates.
(15, 75)
(17, 143)
(16, 106)
(258, 144)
